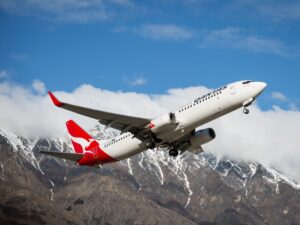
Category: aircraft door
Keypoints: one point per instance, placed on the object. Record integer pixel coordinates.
(232, 89)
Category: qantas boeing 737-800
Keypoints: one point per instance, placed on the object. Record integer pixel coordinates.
(175, 130)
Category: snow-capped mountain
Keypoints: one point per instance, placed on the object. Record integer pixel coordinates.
(150, 188)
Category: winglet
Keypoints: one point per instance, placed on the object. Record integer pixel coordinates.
(55, 100)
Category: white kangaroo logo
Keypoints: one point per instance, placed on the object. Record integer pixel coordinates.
(83, 143)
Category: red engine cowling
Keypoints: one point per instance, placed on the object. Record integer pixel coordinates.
(201, 137)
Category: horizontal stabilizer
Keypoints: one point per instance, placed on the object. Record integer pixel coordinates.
(64, 155)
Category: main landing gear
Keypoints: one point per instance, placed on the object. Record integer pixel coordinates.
(173, 152)
(246, 110)
(150, 144)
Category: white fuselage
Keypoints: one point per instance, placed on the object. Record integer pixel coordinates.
(197, 113)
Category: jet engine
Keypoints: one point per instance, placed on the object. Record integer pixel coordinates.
(163, 123)
(201, 137)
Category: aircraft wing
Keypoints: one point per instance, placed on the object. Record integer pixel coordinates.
(117, 121)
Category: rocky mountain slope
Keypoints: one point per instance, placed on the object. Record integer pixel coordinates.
(150, 188)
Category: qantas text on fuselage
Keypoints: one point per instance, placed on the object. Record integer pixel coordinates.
(177, 131)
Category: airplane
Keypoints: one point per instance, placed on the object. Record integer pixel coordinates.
(176, 131)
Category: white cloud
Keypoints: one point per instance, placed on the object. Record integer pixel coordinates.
(164, 32)
(29, 113)
(232, 37)
(278, 11)
(228, 37)
(77, 11)
(3, 74)
(137, 81)
(39, 86)
(281, 11)
(269, 137)
(279, 96)
(293, 106)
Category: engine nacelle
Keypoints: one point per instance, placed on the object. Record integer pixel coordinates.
(163, 123)
(201, 137)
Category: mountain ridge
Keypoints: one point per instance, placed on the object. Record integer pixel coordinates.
(198, 189)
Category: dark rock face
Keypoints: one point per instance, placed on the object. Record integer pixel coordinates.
(150, 188)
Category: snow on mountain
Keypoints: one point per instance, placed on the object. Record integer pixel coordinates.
(198, 187)
(156, 161)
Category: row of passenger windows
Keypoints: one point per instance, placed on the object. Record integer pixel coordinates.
(117, 140)
(180, 110)
(200, 101)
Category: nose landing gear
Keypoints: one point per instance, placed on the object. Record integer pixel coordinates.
(246, 111)
(247, 103)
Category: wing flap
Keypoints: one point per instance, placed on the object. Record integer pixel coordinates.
(64, 155)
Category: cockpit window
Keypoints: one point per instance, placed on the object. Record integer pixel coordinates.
(247, 82)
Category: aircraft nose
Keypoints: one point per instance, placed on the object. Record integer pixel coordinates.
(260, 87)
(263, 85)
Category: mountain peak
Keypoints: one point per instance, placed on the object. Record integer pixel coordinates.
(188, 186)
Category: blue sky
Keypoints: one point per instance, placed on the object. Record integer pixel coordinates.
(152, 46)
